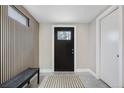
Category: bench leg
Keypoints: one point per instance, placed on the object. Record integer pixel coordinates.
(28, 82)
(38, 77)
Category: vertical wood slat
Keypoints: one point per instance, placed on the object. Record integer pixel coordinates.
(12, 47)
(0, 47)
(19, 45)
(4, 44)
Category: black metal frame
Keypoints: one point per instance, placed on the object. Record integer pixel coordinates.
(10, 83)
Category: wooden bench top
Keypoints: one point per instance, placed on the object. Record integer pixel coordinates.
(20, 79)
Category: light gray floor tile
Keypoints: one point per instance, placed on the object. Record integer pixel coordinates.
(88, 80)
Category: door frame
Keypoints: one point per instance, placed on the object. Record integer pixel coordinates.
(98, 42)
(54, 42)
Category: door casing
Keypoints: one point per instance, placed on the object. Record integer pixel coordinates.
(53, 44)
(98, 42)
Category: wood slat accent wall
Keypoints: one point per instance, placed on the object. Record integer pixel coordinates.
(0, 45)
(19, 44)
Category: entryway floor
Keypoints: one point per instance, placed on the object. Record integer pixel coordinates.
(89, 81)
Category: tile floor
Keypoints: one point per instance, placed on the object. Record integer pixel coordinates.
(89, 81)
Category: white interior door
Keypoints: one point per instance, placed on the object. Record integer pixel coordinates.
(110, 27)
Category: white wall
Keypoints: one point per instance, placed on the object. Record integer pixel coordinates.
(123, 46)
(92, 45)
(45, 46)
(82, 43)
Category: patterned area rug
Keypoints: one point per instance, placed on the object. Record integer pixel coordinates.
(62, 81)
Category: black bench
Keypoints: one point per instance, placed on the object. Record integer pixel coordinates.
(21, 79)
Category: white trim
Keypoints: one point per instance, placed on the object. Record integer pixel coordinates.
(76, 71)
(87, 70)
(108, 11)
(120, 50)
(93, 73)
(74, 44)
(82, 70)
(45, 70)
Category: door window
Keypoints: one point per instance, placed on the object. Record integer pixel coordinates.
(64, 35)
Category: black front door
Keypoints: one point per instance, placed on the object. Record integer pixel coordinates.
(64, 48)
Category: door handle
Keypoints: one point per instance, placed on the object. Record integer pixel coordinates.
(72, 52)
(117, 55)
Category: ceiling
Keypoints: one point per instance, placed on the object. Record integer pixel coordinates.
(65, 13)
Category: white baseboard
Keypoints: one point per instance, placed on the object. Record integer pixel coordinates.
(82, 70)
(45, 70)
(93, 73)
(77, 70)
(87, 70)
